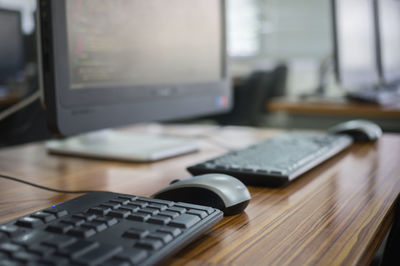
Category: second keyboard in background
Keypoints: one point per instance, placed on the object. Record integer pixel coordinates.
(276, 161)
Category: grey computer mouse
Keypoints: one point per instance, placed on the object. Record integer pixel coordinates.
(219, 191)
(359, 130)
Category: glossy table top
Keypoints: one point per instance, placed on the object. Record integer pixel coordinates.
(338, 213)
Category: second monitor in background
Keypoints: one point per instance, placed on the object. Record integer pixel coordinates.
(123, 62)
(367, 62)
(355, 44)
(388, 25)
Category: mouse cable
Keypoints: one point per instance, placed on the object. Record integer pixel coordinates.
(19, 106)
(47, 188)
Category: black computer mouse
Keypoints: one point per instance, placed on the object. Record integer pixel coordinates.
(359, 130)
(219, 191)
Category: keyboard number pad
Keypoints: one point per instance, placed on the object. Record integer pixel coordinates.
(169, 220)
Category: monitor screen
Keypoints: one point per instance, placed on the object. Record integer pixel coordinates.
(355, 43)
(388, 18)
(11, 44)
(114, 62)
(164, 48)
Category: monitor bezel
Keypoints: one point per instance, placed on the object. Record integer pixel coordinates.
(77, 111)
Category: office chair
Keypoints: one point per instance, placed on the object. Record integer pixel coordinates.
(251, 97)
(28, 124)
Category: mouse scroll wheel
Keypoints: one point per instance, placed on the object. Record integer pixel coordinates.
(174, 181)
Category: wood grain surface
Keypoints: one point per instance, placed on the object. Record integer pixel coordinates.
(338, 107)
(338, 213)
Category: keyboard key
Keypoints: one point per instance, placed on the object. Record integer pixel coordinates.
(3, 256)
(45, 217)
(209, 210)
(169, 214)
(112, 205)
(141, 217)
(127, 197)
(149, 211)
(177, 210)
(78, 248)
(262, 171)
(8, 262)
(73, 221)
(166, 238)
(41, 250)
(30, 238)
(109, 221)
(11, 230)
(160, 207)
(149, 200)
(133, 255)
(170, 230)
(9, 248)
(201, 214)
(3, 237)
(82, 232)
(59, 227)
(119, 213)
(136, 233)
(184, 221)
(55, 260)
(120, 201)
(56, 212)
(129, 208)
(99, 254)
(101, 210)
(152, 244)
(85, 216)
(137, 204)
(59, 241)
(25, 257)
(98, 226)
(159, 220)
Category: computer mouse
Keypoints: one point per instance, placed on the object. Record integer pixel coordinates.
(219, 191)
(359, 130)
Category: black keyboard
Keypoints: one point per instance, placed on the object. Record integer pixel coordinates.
(275, 161)
(104, 228)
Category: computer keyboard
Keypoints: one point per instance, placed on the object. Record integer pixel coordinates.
(104, 228)
(276, 161)
(382, 96)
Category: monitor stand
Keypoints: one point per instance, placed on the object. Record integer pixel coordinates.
(113, 145)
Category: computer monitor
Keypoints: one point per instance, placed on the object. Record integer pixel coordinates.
(11, 45)
(355, 44)
(109, 63)
(388, 22)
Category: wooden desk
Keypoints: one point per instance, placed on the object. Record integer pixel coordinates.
(338, 107)
(337, 213)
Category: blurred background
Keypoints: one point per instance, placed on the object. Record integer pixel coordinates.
(280, 58)
(263, 33)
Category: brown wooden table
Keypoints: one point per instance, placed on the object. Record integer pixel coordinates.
(340, 107)
(337, 213)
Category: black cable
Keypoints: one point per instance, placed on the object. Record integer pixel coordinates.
(48, 188)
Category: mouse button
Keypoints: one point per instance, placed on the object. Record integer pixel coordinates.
(237, 208)
(193, 195)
